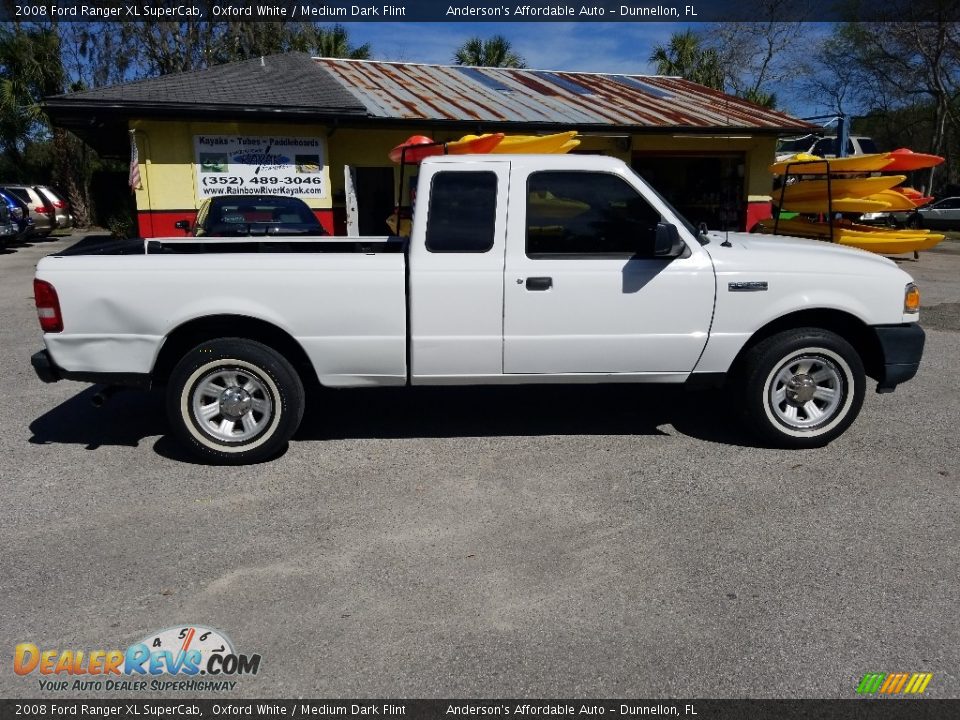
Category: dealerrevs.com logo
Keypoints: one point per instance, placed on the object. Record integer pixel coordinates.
(181, 653)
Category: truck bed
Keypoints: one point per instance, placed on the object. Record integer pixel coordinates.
(343, 300)
(253, 244)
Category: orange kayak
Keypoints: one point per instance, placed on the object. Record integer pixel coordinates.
(905, 160)
(419, 147)
(897, 201)
(917, 197)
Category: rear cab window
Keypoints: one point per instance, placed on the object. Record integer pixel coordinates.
(462, 212)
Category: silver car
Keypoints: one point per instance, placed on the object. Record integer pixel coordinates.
(943, 214)
(61, 207)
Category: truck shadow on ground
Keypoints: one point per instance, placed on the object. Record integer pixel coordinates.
(131, 416)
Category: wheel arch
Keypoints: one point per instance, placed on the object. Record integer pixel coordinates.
(851, 328)
(210, 327)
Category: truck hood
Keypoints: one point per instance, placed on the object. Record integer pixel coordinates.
(749, 251)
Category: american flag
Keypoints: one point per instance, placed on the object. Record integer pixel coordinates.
(135, 183)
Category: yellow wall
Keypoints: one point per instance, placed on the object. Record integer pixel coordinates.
(167, 158)
(169, 178)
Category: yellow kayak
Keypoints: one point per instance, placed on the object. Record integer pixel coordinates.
(890, 246)
(812, 228)
(897, 200)
(865, 237)
(839, 188)
(847, 205)
(547, 205)
(807, 164)
(550, 144)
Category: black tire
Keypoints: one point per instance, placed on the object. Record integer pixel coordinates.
(243, 382)
(783, 374)
(915, 221)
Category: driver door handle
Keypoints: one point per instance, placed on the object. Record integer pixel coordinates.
(539, 283)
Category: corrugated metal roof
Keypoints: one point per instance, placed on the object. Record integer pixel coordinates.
(412, 91)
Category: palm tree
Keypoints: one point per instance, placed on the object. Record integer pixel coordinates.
(495, 52)
(760, 97)
(31, 68)
(686, 56)
(334, 42)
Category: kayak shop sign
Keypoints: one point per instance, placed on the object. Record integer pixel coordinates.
(259, 165)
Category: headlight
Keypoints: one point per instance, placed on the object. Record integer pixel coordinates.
(911, 299)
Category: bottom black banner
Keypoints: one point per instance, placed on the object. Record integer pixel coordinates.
(892, 709)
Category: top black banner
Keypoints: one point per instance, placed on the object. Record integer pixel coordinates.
(341, 11)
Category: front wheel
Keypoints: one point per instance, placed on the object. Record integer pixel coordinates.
(234, 401)
(803, 387)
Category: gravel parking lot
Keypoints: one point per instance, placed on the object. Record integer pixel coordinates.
(600, 542)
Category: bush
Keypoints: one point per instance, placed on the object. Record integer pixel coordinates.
(120, 226)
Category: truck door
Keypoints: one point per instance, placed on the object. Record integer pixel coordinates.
(456, 272)
(583, 292)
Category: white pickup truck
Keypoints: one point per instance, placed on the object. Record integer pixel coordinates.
(519, 269)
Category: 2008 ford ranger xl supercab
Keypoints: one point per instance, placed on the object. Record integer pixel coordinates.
(519, 269)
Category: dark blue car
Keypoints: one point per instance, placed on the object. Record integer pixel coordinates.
(19, 214)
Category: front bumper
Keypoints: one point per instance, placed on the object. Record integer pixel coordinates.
(902, 348)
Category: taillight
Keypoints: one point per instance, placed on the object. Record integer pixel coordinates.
(59, 204)
(42, 209)
(48, 306)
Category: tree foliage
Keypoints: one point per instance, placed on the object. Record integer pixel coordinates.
(40, 60)
(687, 55)
(496, 51)
(903, 77)
(29, 71)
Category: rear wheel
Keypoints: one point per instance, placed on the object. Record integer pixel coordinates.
(803, 388)
(234, 401)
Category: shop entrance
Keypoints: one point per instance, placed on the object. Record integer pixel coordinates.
(704, 187)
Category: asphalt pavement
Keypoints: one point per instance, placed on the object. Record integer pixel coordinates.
(546, 542)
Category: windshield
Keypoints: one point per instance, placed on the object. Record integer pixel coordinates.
(795, 145)
(683, 221)
(246, 210)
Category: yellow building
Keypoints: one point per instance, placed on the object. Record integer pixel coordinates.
(291, 124)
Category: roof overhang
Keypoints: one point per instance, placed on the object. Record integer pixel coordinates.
(103, 126)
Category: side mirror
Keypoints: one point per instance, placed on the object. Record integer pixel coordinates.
(182, 225)
(668, 243)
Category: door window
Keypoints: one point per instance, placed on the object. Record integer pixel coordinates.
(577, 214)
(463, 210)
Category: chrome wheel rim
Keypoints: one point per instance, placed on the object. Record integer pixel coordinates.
(231, 405)
(806, 391)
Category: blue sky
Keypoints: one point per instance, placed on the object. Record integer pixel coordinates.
(598, 47)
(620, 47)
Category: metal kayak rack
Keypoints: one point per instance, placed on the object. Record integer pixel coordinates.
(787, 174)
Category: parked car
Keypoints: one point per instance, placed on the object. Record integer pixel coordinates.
(61, 207)
(8, 226)
(533, 269)
(245, 215)
(943, 214)
(20, 214)
(41, 210)
(823, 146)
